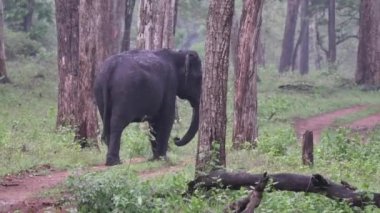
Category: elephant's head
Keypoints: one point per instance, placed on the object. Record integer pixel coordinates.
(189, 88)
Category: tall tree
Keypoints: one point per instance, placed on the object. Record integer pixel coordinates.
(3, 69)
(245, 104)
(212, 133)
(368, 61)
(28, 18)
(77, 30)
(332, 35)
(304, 50)
(110, 28)
(156, 24)
(288, 38)
(128, 14)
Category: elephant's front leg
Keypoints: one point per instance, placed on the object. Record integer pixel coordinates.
(162, 126)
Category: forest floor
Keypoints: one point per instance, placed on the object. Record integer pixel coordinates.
(22, 191)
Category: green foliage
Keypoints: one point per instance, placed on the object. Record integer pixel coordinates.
(120, 189)
(16, 10)
(276, 142)
(344, 145)
(19, 44)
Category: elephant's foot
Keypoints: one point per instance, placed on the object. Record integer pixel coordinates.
(157, 158)
(111, 161)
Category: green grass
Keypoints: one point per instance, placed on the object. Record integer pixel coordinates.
(28, 138)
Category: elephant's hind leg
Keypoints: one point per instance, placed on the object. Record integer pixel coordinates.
(118, 123)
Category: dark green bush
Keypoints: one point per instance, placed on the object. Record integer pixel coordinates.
(19, 44)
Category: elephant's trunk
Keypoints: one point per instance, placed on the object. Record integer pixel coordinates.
(192, 129)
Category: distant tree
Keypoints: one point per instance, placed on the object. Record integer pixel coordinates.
(157, 20)
(288, 38)
(77, 51)
(128, 14)
(23, 14)
(303, 39)
(368, 62)
(332, 35)
(245, 103)
(212, 132)
(28, 18)
(3, 69)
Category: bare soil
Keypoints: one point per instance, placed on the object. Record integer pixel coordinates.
(320, 122)
(20, 192)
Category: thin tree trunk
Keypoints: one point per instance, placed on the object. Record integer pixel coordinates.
(28, 18)
(77, 30)
(368, 62)
(3, 69)
(260, 56)
(332, 36)
(129, 7)
(213, 118)
(245, 104)
(315, 47)
(289, 33)
(304, 50)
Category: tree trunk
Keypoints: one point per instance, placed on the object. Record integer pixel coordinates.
(368, 65)
(110, 33)
(77, 30)
(245, 104)
(332, 36)
(128, 14)
(213, 118)
(288, 39)
(313, 31)
(304, 50)
(3, 69)
(28, 18)
(156, 24)
(260, 56)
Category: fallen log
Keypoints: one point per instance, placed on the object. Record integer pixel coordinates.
(287, 182)
(252, 201)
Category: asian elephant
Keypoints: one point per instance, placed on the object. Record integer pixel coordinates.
(142, 85)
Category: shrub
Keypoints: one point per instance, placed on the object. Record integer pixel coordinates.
(19, 44)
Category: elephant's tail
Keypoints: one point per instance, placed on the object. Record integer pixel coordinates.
(109, 67)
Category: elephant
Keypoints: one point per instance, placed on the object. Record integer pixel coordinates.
(142, 85)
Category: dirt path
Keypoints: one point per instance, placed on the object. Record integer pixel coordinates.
(320, 122)
(367, 123)
(20, 191)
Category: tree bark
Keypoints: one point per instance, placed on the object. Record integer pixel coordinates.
(304, 50)
(252, 201)
(245, 104)
(213, 118)
(156, 24)
(368, 60)
(77, 30)
(289, 33)
(128, 14)
(332, 36)
(287, 182)
(28, 18)
(110, 33)
(3, 69)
